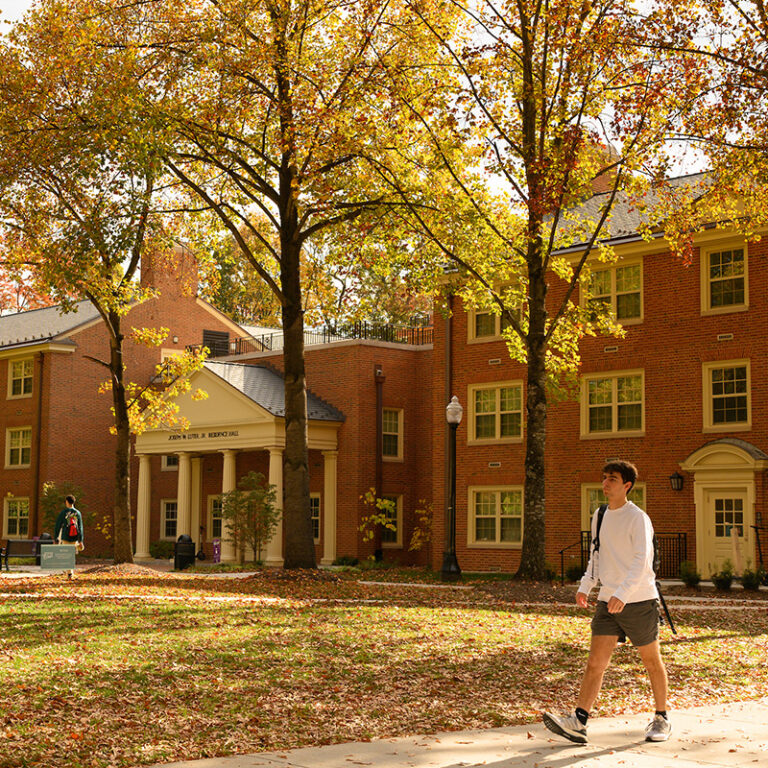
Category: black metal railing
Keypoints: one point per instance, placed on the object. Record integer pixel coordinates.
(272, 342)
(673, 550)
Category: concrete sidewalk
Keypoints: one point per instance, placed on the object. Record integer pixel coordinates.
(723, 735)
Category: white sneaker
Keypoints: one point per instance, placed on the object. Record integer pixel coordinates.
(568, 726)
(658, 729)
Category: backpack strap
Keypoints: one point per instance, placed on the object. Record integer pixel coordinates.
(600, 515)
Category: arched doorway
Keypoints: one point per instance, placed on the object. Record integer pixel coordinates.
(724, 494)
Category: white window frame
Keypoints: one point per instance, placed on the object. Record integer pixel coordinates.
(497, 386)
(212, 499)
(472, 541)
(708, 410)
(615, 431)
(6, 518)
(398, 542)
(165, 467)
(399, 435)
(8, 437)
(319, 498)
(588, 509)
(11, 378)
(163, 508)
(706, 296)
(612, 269)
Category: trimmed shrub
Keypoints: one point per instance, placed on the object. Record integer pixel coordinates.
(574, 572)
(689, 574)
(751, 579)
(723, 579)
(161, 550)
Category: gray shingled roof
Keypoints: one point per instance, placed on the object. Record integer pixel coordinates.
(626, 217)
(38, 325)
(266, 388)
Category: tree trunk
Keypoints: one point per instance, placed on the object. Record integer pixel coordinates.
(533, 557)
(297, 520)
(122, 535)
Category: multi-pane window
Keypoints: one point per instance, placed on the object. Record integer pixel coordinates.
(390, 533)
(726, 271)
(488, 325)
(497, 412)
(314, 511)
(170, 461)
(17, 518)
(391, 433)
(21, 378)
(497, 515)
(729, 514)
(217, 524)
(594, 498)
(618, 289)
(614, 404)
(729, 389)
(19, 450)
(170, 518)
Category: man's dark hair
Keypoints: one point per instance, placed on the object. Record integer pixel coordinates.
(626, 469)
(71, 499)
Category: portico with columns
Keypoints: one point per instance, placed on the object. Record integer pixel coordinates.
(237, 428)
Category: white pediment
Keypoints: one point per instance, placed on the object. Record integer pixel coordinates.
(224, 406)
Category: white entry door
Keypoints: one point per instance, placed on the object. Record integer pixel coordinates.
(725, 509)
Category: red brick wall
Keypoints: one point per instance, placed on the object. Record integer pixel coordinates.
(76, 445)
(671, 344)
(343, 375)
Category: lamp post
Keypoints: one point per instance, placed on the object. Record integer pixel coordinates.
(450, 570)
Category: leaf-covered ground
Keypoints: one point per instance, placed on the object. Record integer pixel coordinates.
(123, 668)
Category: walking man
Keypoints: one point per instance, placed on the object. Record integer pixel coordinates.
(622, 561)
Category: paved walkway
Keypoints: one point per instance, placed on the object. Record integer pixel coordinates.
(723, 735)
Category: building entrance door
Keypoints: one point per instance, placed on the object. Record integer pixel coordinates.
(724, 509)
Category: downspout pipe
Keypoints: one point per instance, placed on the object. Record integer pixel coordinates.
(35, 505)
(379, 378)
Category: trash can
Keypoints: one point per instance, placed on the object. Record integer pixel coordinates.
(183, 552)
(217, 550)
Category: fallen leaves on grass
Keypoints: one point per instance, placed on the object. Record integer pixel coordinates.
(279, 663)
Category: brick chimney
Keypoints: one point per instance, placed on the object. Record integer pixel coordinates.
(174, 273)
(605, 179)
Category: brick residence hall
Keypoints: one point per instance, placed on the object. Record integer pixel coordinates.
(683, 395)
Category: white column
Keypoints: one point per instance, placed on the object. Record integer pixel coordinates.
(275, 546)
(143, 503)
(329, 507)
(196, 499)
(183, 496)
(228, 483)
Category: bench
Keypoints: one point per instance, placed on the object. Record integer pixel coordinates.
(22, 548)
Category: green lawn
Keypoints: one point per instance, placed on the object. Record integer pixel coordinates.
(223, 666)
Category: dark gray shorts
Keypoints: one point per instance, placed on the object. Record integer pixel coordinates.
(638, 621)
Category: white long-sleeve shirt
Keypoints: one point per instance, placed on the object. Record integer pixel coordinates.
(624, 563)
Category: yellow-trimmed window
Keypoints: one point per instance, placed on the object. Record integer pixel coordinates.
(392, 434)
(169, 516)
(727, 395)
(215, 518)
(394, 514)
(496, 516)
(620, 290)
(496, 412)
(18, 451)
(20, 378)
(16, 518)
(592, 497)
(724, 279)
(314, 511)
(613, 404)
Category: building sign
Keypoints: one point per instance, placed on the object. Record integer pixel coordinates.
(57, 557)
(203, 435)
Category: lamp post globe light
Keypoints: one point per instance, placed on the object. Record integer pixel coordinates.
(450, 570)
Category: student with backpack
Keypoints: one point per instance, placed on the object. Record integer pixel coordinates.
(69, 526)
(627, 604)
